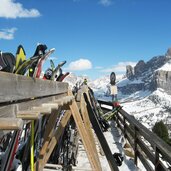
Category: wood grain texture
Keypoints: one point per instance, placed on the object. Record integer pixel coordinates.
(18, 87)
(11, 124)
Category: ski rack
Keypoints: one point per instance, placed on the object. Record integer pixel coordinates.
(24, 99)
(146, 145)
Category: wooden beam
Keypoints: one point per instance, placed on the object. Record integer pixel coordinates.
(65, 100)
(17, 87)
(60, 102)
(11, 124)
(42, 110)
(49, 130)
(52, 105)
(52, 143)
(28, 115)
(11, 110)
(87, 124)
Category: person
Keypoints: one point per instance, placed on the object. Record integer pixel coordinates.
(114, 92)
(113, 87)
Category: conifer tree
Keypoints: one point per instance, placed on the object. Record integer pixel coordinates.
(161, 130)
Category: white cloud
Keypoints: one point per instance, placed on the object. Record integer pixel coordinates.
(120, 67)
(7, 34)
(12, 9)
(105, 2)
(81, 64)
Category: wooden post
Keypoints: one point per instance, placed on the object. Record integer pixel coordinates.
(135, 145)
(124, 123)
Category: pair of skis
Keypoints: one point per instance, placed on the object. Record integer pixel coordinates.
(55, 74)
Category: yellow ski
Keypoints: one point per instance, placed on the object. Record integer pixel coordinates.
(20, 56)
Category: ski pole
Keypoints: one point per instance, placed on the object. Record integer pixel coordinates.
(32, 147)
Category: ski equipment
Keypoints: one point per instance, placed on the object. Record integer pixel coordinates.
(20, 56)
(7, 62)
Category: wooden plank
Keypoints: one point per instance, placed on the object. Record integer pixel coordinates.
(145, 162)
(10, 110)
(11, 124)
(49, 130)
(65, 100)
(52, 105)
(18, 87)
(42, 110)
(87, 124)
(43, 159)
(28, 115)
(146, 150)
(60, 102)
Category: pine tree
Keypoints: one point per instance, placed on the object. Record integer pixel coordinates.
(161, 130)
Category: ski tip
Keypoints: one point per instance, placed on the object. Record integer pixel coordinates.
(20, 47)
(53, 49)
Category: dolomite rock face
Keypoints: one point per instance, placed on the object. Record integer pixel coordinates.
(150, 74)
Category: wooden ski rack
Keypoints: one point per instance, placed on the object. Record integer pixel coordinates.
(23, 99)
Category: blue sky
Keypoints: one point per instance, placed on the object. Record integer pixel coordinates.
(94, 36)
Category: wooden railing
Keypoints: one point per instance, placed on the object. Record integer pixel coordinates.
(152, 151)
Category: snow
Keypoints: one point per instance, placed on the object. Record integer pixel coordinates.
(116, 142)
(166, 67)
(126, 81)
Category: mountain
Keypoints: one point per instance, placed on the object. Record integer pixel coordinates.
(156, 73)
(73, 79)
(144, 91)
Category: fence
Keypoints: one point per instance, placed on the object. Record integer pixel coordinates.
(152, 151)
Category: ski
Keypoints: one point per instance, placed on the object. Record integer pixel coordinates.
(62, 76)
(20, 56)
(52, 65)
(23, 68)
(109, 115)
(57, 71)
(40, 63)
(10, 152)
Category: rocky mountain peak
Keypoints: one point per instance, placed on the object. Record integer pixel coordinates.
(151, 74)
(168, 53)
